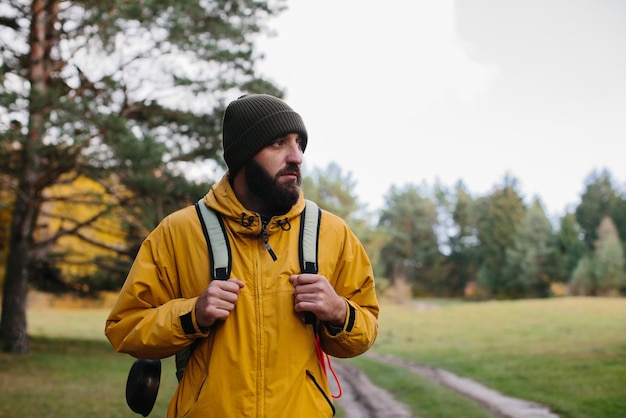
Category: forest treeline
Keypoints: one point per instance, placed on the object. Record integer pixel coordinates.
(447, 242)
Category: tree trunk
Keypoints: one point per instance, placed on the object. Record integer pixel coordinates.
(13, 329)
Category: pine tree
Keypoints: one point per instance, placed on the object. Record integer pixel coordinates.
(411, 251)
(120, 92)
(528, 257)
(500, 214)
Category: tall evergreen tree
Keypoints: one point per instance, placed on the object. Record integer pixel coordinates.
(412, 250)
(463, 259)
(499, 216)
(597, 201)
(117, 88)
(609, 259)
(528, 257)
(569, 248)
(601, 273)
(618, 214)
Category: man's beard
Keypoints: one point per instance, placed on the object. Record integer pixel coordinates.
(278, 198)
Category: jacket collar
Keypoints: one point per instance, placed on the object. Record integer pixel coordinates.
(223, 200)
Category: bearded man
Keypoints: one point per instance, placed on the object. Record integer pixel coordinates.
(254, 353)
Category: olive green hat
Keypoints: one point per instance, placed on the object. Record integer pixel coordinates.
(252, 122)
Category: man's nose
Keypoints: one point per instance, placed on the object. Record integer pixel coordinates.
(295, 153)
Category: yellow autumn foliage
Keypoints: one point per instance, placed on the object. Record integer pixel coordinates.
(74, 202)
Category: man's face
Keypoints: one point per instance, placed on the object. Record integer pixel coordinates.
(274, 175)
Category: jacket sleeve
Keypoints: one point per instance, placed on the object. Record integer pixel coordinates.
(149, 318)
(353, 279)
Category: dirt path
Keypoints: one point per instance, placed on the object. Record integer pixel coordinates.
(362, 399)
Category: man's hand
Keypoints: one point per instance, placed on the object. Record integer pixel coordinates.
(217, 301)
(313, 293)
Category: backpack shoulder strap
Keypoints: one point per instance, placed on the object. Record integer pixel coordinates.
(217, 241)
(220, 258)
(309, 236)
(309, 245)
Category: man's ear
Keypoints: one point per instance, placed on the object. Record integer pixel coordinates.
(238, 181)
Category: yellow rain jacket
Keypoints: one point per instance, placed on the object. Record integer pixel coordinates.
(261, 361)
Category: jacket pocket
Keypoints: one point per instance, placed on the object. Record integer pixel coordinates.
(187, 403)
(321, 390)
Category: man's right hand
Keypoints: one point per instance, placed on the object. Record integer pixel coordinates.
(217, 301)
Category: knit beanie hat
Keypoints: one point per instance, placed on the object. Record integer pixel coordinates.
(252, 122)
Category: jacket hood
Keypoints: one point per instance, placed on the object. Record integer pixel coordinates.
(223, 200)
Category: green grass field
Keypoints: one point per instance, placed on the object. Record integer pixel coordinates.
(71, 370)
(567, 353)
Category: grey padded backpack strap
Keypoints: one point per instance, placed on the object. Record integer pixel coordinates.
(220, 258)
(217, 241)
(309, 234)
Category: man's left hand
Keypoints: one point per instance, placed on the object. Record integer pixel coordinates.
(313, 293)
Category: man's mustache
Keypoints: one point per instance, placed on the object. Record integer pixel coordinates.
(290, 169)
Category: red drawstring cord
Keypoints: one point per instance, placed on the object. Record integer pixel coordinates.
(323, 358)
(330, 366)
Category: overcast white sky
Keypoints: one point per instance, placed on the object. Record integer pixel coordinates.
(400, 91)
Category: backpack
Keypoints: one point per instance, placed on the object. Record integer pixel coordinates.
(143, 379)
(221, 263)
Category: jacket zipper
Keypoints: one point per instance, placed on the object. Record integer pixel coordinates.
(266, 239)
